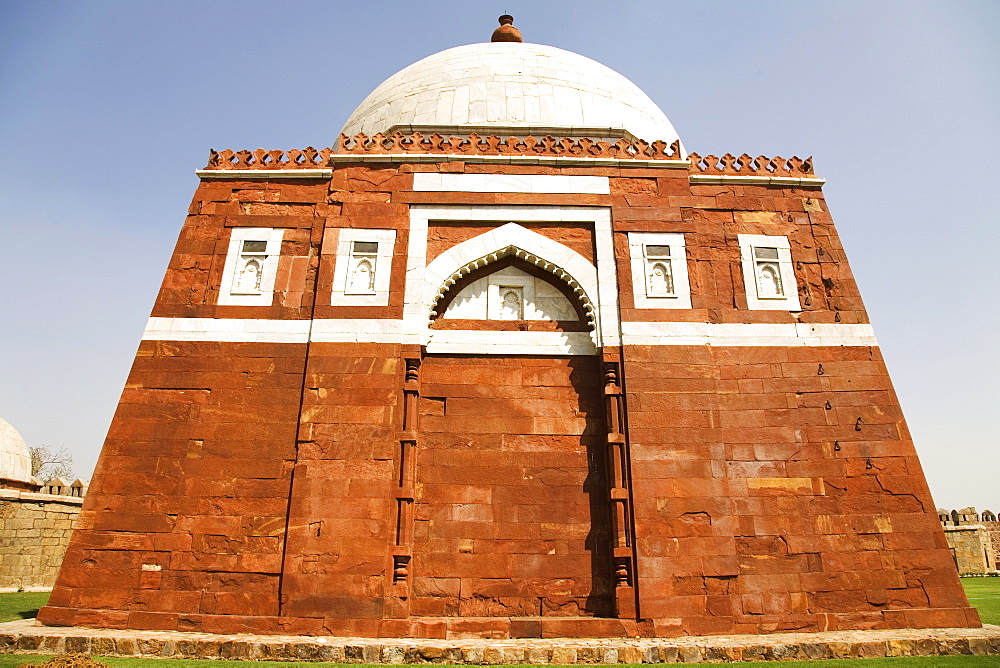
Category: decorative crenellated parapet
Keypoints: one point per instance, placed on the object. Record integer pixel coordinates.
(746, 169)
(307, 158)
(315, 163)
(745, 165)
(417, 147)
(492, 145)
(60, 487)
(57, 486)
(309, 163)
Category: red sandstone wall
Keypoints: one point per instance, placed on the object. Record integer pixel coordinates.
(775, 488)
(760, 502)
(578, 236)
(511, 518)
(341, 515)
(192, 484)
(190, 287)
(191, 491)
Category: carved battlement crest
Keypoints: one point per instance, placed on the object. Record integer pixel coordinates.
(400, 145)
(307, 158)
(745, 165)
(475, 144)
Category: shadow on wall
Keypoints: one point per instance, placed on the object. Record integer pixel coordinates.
(586, 379)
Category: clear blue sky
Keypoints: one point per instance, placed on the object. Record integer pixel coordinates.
(107, 108)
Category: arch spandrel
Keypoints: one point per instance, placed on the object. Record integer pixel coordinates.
(561, 264)
(479, 295)
(557, 259)
(552, 274)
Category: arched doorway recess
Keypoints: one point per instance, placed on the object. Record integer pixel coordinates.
(511, 516)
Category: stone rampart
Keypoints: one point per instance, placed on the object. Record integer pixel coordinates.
(34, 532)
(973, 538)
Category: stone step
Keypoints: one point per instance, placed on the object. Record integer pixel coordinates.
(29, 637)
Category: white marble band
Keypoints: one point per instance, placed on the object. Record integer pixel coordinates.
(747, 334)
(511, 183)
(262, 174)
(243, 330)
(756, 179)
(560, 160)
(385, 330)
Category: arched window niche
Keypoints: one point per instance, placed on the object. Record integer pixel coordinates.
(588, 284)
(511, 294)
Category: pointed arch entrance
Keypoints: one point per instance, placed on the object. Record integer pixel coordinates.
(512, 517)
(515, 501)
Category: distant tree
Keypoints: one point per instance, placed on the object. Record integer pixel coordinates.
(47, 463)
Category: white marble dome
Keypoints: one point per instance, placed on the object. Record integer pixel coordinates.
(511, 89)
(15, 459)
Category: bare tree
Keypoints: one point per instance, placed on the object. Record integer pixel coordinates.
(47, 463)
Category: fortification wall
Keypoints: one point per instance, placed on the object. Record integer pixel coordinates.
(972, 547)
(973, 538)
(34, 532)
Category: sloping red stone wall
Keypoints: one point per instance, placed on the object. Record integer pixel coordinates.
(190, 497)
(784, 495)
(340, 517)
(262, 486)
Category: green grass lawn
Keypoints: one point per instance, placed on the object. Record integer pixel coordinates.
(21, 604)
(984, 594)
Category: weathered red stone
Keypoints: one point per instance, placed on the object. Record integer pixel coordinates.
(275, 488)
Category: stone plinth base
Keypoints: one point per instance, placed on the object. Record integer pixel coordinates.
(29, 637)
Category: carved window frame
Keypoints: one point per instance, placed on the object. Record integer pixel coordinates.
(350, 253)
(495, 291)
(755, 256)
(231, 293)
(643, 260)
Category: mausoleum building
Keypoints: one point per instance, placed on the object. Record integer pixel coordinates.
(508, 361)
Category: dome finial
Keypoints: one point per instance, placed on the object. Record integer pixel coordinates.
(506, 32)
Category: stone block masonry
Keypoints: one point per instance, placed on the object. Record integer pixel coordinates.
(337, 455)
(35, 530)
(974, 540)
(25, 637)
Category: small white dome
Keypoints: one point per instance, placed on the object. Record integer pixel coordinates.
(511, 89)
(15, 459)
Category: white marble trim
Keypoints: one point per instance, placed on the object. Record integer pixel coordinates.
(511, 183)
(483, 342)
(254, 174)
(510, 159)
(386, 240)
(228, 293)
(747, 334)
(227, 329)
(423, 280)
(790, 300)
(681, 298)
(386, 330)
(354, 330)
(711, 180)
